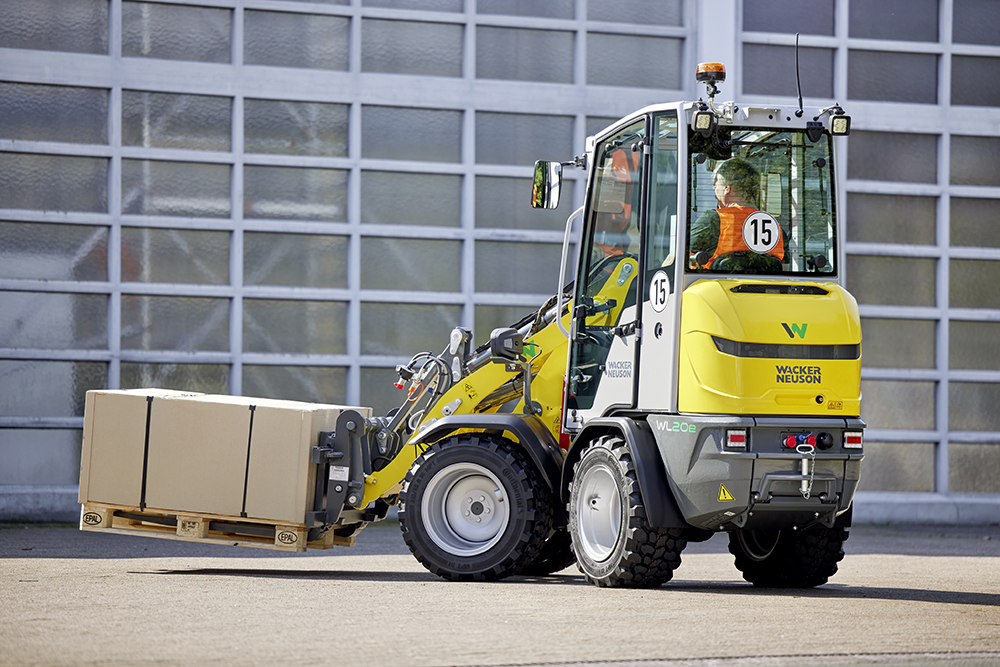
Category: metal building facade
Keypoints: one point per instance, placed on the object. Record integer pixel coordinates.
(285, 198)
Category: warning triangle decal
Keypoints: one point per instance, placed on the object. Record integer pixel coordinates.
(724, 495)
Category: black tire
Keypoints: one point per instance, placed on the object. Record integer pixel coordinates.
(470, 477)
(788, 559)
(613, 542)
(556, 555)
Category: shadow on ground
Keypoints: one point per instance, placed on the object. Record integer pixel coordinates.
(67, 541)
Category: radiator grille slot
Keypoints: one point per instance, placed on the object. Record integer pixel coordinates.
(785, 351)
(765, 288)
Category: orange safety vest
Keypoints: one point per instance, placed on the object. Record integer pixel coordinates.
(731, 221)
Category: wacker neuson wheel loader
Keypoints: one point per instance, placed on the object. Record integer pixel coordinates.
(700, 374)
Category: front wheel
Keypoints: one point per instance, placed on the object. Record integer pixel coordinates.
(788, 559)
(474, 508)
(613, 541)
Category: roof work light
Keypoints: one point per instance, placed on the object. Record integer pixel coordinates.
(840, 125)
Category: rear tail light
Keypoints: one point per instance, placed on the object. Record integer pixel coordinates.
(853, 439)
(736, 439)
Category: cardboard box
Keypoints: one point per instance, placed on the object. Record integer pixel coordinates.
(233, 456)
(111, 470)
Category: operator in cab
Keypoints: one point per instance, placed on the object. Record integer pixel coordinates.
(736, 236)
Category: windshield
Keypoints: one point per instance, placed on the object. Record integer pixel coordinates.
(761, 202)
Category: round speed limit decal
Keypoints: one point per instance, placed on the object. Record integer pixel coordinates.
(761, 232)
(659, 290)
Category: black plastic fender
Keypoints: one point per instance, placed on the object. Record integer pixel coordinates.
(536, 440)
(661, 507)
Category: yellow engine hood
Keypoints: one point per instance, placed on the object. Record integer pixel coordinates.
(756, 347)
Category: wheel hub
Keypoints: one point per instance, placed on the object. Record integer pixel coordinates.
(599, 523)
(465, 509)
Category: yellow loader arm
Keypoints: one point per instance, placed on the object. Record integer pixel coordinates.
(489, 387)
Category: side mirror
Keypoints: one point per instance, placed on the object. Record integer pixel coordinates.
(506, 345)
(545, 190)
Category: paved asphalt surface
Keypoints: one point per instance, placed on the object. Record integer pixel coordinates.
(904, 596)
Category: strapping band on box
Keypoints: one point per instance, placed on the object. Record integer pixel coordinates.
(145, 453)
(246, 478)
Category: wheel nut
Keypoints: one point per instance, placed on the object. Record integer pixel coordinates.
(479, 519)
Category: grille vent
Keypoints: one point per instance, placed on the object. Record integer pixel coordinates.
(778, 288)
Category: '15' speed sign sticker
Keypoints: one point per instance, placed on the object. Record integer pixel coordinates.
(659, 290)
(761, 232)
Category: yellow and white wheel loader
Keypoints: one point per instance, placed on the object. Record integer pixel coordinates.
(700, 374)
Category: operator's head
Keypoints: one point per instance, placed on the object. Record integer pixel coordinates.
(738, 182)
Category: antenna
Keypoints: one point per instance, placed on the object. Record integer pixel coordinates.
(798, 84)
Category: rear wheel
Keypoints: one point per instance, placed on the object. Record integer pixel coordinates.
(556, 555)
(474, 508)
(613, 542)
(788, 559)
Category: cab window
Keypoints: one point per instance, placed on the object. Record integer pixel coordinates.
(761, 202)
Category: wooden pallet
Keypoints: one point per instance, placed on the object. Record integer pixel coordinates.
(206, 528)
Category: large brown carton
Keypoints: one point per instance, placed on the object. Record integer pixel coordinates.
(114, 440)
(233, 456)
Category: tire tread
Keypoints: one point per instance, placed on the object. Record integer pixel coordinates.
(800, 560)
(650, 555)
(539, 511)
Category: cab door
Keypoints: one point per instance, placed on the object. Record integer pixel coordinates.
(602, 355)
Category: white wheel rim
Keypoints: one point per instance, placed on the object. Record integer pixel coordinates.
(599, 513)
(465, 509)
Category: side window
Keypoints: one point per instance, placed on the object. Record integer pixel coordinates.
(662, 235)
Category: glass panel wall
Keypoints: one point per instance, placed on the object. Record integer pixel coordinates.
(285, 199)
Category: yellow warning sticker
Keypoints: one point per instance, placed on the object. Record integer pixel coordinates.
(724, 495)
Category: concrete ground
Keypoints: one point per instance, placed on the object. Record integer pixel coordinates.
(905, 596)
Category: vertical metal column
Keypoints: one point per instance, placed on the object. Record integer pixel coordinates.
(236, 211)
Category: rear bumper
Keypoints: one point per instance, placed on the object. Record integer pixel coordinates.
(763, 484)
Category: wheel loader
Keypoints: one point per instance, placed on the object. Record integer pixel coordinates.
(699, 373)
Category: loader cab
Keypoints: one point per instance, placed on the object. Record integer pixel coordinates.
(751, 199)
